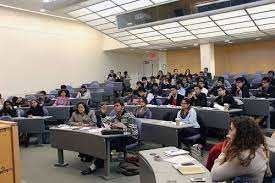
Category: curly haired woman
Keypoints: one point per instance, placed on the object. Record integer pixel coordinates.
(244, 154)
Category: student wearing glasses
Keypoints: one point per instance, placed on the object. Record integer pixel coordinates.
(240, 89)
(188, 115)
(197, 97)
(266, 90)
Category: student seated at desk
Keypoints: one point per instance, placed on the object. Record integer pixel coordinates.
(130, 97)
(111, 76)
(266, 90)
(156, 91)
(64, 87)
(35, 109)
(119, 77)
(44, 100)
(203, 89)
(224, 97)
(174, 98)
(124, 121)
(207, 74)
(271, 78)
(83, 93)
(1, 100)
(81, 116)
(166, 84)
(8, 110)
(20, 102)
(101, 114)
(240, 89)
(244, 154)
(138, 85)
(188, 115)
(197, 97)
(63, 98)
(146, 84)
(180, 89)
(142, 111)
(149, 96)
(223, 81)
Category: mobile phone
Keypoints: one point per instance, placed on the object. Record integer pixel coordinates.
(199, 179)
(187, 164)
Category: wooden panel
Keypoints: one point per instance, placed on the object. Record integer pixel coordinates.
(183, 59)
(9, 150)
(246, 57)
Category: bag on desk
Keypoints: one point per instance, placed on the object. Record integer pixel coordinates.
(112, 132)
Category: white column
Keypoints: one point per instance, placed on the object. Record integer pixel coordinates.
(162, 60)
(207, 52)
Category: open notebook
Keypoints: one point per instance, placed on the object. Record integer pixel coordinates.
(189, 169)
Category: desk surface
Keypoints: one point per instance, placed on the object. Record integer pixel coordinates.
(163, 123)
(33, 118)
(164, 171)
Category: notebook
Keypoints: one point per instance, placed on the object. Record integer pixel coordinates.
(176, 152)
(189, 169)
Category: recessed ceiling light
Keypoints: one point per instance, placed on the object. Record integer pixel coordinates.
(164, 49)
(195, 44)
(42, 10)
(147, 51)
(132, 49)
(258, 38)
(226, 40)
(184, 47)
(229, 42)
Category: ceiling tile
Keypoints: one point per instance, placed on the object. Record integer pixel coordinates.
(148, 34)
(212, 34)
(178, 34)
(229, 15)
(111, 11)
(172, 30)
(195, 21)
(206, 30)
(242, 30)
(80, 12)
(237, 25)
(88, 17)
(183, 38)
(154, 38)
(233, 20)
(101, 6)
(167, 26)
(143, 30)
(97, 22)
(200, 26)
(136, 5)
(263, 8)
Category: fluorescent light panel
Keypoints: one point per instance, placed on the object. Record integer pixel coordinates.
(137, 4)
(148, 34)
(266, 14)
(101, 6)
(110, 31)
(265, 21)
(195, 21)
(111, 18)
(200, 26)
(206, 30)
(233, 20)
(263, 8)
(154, 38)
(139, 31)
(97, 22)
(160, 41)
(110, 12)
(229, 15)
(212, 34)
(237, 25)
(166, 26)
(242, 30)
(183, 38)
(267, 27)
(178, 34)
(172, 30)
(159, 1)
(80, 12)
(120, 2)
(139, 44)
(88, 17)
(105, 26)
(133, 41)
(120, 34)
(126, 38)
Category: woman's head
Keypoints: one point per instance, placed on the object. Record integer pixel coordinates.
(160, 73)
(34, 103)
(186, 104)
(187, 71)
(82, 108)
(63, 93)
(245, 134)
(8, 105)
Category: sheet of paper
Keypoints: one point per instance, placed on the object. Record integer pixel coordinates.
(180, 159)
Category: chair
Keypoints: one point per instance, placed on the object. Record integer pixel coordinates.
(6, 118)
(46, 112)
(51, 97)
(70, 88)
(10, 98)
(134, 145)
(20, 112)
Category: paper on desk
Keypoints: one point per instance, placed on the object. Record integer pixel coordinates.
(95, 130)
(179, 159)
(176, 152)
(190, 169)
(217, 106)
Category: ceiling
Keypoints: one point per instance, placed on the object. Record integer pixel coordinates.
(233, 24)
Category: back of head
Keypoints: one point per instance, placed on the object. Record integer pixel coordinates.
(63, 87)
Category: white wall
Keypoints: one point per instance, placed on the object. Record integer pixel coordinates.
(40, 52)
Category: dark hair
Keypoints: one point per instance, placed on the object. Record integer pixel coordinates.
(7, 101)
(139, 82)
(221, 79)
(181, 75)
(221, 87)
(266, 79)
(63, 87)
(38, 106)
(83, 86)
(271, 72)
(14, 99)
(125, 72)
(85, 106)
(155, 84)
(201, 72)
(188, 101)
(175, 70)
(144, 100)
(152, 77)
(117, 100)
(144, 78)
(241, 79)
(249, 136)
(129, 90)
(197, 86)
(188, 71)
(173, 86)
(141, 89)
(179, 82)
(66, 91)
(200, 81)
(43, 92)
(206, 68)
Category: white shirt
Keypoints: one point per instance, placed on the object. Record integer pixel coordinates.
(205, 91)
(87, 95)
(181, 91)
(149, 97)
(191, 118)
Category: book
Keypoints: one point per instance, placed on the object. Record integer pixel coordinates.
(176, 152)
(189, 169)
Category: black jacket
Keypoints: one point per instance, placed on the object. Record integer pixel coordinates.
(269, 93)
(8, 112)
(179, 99)
(244, 89)
(200, 101)
(38, 111)
(226, 99)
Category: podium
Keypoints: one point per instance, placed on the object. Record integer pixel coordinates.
(9, 153)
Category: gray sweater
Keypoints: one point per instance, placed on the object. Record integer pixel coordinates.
(255, 171)
(85, 119)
